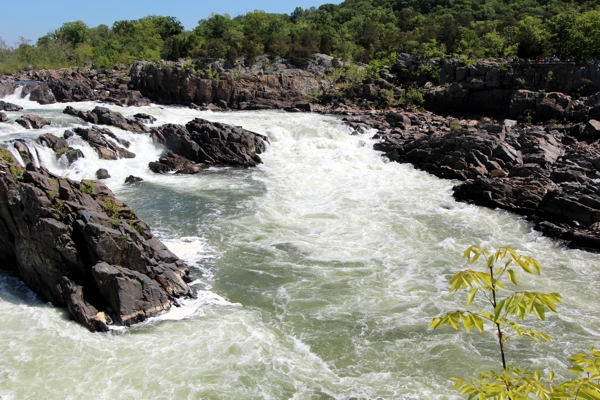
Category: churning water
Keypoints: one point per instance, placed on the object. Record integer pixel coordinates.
(317, 275)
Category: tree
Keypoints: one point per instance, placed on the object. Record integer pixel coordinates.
(504, 314)
(73, 32)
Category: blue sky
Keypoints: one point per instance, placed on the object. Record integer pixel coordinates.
(32, 19)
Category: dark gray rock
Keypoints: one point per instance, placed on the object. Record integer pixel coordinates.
(102, 115)
(3, 117)
(209, 143)
(133, 179)
(53, 142)
(102, 174)
(4, 106)
(106, 149)
(73, 155)
(77, 246)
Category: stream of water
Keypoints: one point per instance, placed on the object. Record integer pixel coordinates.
(317, 276)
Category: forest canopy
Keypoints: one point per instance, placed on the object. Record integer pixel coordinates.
(360, 30)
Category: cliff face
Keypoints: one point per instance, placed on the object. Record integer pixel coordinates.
(541, 90)
(265, 84)
(77, 246)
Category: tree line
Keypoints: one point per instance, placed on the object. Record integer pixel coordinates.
(360, 30)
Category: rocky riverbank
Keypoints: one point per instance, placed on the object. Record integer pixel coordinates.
(541, 163)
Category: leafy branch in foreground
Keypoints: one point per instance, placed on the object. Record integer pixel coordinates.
(504, 313)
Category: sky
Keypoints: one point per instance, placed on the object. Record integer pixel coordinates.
(32, 19)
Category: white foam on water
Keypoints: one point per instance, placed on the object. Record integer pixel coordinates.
(316, 273)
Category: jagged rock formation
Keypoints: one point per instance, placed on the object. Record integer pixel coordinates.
(267, 84)
(106, 149)
(209, 143)
(77, 246)
(543, 172)
(102, 115)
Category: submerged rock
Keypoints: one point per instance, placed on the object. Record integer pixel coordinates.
(78, 247)
(133, 179)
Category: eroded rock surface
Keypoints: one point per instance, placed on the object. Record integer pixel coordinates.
(31, 121)
(104, 116)
(209, 143)
(543, 172)
(77, 246)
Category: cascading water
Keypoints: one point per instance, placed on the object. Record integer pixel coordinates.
(317, 275)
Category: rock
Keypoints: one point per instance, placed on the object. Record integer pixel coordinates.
(23, 150)
(147, 118)
(106, 149)
(70, 88)
(172, 162)
(73, 155)
(591, 133)
(68, 133)
(77, 246)
(3, 117)
(30, 121)
(39, 92)
(205, 142)
(133, 179)
(102, 174)
(4, 106)
(53, 142)
(529, 170)
(102, 115)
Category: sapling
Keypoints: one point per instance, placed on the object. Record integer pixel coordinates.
(506, 308)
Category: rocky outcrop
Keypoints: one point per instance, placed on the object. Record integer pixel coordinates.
(107, 149)
(54, 142)
(525, 90)
(209, 143)
(5, 106)
(266, 84)
(30, 121)
(3, 117)
(78, 247)
(542, 172)
(102, 115)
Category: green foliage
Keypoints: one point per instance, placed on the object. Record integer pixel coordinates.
(414, 97)
(359, 30)
(521, 81)
(87, 187)
(454, 126)
(59, 209)
(17, 172)
(6, 155)
(497, 277)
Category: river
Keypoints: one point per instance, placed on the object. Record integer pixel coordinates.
(317, 275)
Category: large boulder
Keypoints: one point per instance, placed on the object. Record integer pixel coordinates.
(212, 143)
(77, 246)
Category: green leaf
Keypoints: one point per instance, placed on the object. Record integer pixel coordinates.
(512, 276)
(471, 295)
(478, 322)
